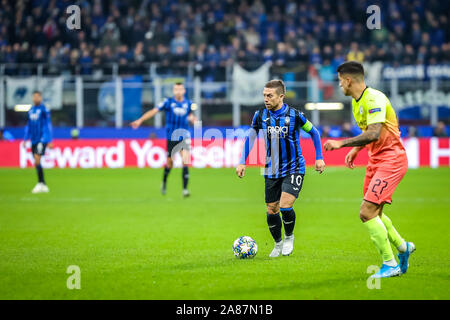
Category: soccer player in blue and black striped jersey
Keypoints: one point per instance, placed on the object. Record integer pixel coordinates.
(285, 166)
(39, 131)
(178, 112)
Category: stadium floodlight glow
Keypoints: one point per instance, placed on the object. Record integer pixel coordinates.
(22, 107)
(324, 106)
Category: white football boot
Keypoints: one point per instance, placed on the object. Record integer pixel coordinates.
(37, 188)
(45, 189)
(186, 193)
(276, 252)
(288, 245)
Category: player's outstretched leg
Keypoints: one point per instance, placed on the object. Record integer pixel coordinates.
(289, 223)
(379, 236)
(40, 186)
(185, 176)
(404, 248)
(164, 182)
(274, 223)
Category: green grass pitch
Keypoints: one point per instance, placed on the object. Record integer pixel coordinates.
(131, 242)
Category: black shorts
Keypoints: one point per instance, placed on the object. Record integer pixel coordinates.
(291, 184)
(175, 146)
(38, 148)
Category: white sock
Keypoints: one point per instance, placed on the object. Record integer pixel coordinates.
(390, 263)
(402, 248)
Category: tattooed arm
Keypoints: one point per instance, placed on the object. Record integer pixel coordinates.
(370, 135)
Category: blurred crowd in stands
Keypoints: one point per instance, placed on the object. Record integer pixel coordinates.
(214, 34)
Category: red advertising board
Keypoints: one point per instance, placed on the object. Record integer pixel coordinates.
(218, 153)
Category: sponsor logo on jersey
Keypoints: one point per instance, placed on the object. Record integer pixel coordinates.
(374, 110)
(277, 131)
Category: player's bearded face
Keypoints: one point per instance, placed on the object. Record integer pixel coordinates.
(179, 91)
(37, 99)
(271, 98)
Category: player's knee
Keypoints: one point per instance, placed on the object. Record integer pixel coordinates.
(169, 163)
(273, 208)
(37, 160)
(367, 211)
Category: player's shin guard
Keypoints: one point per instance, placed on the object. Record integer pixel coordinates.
(394, 236)
(185, 177)
(274, 223)
(40, 173)
(379, 236)
(288, 220)
(166, 173)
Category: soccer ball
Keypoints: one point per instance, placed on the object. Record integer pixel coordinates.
(245, 248)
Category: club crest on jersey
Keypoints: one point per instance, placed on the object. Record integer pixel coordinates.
(287, 120)
(277, 131)
(361, 110)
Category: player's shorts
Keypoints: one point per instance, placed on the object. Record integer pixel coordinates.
(38, 148)
(382, 179)
(176, 146)
(291, 184)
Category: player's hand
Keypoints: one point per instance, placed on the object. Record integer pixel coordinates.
(350, 158)
(320, 165)
(136, 124)
(332, 145)
(240, 170)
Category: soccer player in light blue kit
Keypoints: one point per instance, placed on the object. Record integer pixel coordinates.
(179, 111)
(39, 131)
(285, 166)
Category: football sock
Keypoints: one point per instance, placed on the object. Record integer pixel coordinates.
(40, 173)
(379, 236)
(274, 223)
(391, 263)
(185, 177)
(394, 236)
(288, 220)
(166, 173)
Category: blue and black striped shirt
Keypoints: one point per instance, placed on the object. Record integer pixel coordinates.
(177, 113)
(39, 126)
(281, 130)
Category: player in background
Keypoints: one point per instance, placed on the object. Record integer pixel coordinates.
(178, 112)
(285, 166)
(39, 131)
(387, 165)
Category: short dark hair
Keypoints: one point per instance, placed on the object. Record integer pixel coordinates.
(351, 67)
(179, 83)
(276, 84)
(38, 92)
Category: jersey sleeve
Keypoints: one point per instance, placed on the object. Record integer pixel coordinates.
(27, 128)
(192, 107)
(256, 121)
(302, 122)
(376, 110)
(47, 130)
(163, 105)
(307, 126)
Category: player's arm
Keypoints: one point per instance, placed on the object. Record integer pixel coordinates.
(148, 115)
(376, 116)
(248, 145)
(370, 135)
(191, 117)
(309, 128)
(47, 130)
(27, 132)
